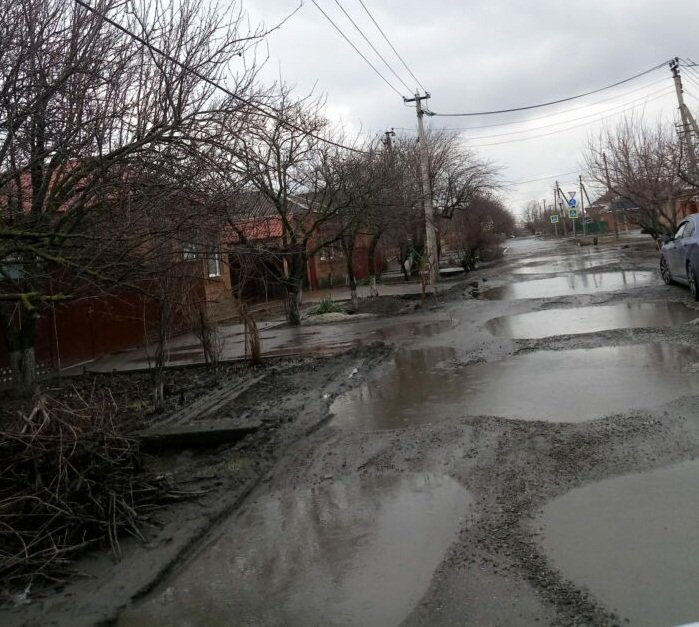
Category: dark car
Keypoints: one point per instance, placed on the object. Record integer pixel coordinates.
(679, 259)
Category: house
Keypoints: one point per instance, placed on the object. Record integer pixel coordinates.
(611, 208)
(95, 320)
(255, 270)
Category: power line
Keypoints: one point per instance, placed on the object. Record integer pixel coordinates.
(378, 54)
(582, 117)
(553, 102)
(357, 50)
(549, 115)
(599, 115)
(563, 130)
(543, 178)
(274, 115)
(388, 41)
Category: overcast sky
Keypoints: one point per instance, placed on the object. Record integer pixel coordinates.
(488, 55)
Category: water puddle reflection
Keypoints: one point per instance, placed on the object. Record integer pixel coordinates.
(586, 283)
(423, 386)
(538, 324)
(347, 553)
(634, 542)
(555, 267)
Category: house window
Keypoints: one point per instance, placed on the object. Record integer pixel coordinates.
(214, 265)
(189, 251)
(330, 252)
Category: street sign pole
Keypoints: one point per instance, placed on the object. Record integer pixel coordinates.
(572, 209)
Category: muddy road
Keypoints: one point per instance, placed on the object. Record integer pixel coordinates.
(522, 457)
(525, 456)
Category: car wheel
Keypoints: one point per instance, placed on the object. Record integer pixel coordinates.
(665, 270)
(692, 280)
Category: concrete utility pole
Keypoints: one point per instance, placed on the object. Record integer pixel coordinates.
(430, 230)
(558, 194)
(388, 141)
(611, 196)
(688, 121)
(582, 207)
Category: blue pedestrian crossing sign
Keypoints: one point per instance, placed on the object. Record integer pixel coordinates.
(554, 219)
(572, 203)
(572, 214)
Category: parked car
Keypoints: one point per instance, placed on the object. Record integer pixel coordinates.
(679, 258)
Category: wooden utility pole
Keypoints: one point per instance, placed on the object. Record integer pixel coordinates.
(688, 122)
(430, 230)
(611, 196)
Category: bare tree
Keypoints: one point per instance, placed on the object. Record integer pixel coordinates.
(479, 230)
(298, 175)
(85, 109)
(642, 165)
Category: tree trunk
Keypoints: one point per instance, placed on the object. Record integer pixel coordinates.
(371, 263)
(19, 338)
(296, 261)
(348, 251)
(23, 366)
(293, 304)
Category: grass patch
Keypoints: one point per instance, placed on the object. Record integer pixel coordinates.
(327, 305)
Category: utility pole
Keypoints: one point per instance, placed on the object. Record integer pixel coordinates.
(582, 206)
(611, 197)
(688, 122)
(430, 230)
(561, 203)
(388, 141)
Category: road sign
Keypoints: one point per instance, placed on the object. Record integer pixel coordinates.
(571, 194)
(572, 214)
(554, 219)
(572, 203)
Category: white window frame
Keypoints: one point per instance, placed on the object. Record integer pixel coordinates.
(213, 265)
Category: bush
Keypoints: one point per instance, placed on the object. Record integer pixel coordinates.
(327, 305)
(69, 477)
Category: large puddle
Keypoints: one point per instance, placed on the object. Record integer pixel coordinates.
(423, 385)
(538, 324)
(346, 553)
(585, 283)
(570, 263)
(633, 541)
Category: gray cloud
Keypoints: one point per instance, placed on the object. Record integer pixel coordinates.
(483, 55)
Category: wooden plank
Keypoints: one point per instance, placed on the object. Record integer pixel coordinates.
(200, 435)
(210, 403)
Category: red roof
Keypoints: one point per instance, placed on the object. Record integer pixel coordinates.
(254, 229)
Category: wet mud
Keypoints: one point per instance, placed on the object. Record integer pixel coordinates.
(427, 484)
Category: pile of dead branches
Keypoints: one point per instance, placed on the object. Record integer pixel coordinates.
(69, 477)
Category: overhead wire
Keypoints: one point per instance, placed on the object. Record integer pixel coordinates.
(269, 113)
(543, 178)
(549, 115)
(388, 41)
(357, 50)
(582, 117)
(552, 102)
(371, 45)
(564, 130)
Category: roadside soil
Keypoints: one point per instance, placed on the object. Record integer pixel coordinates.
(495, 572)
